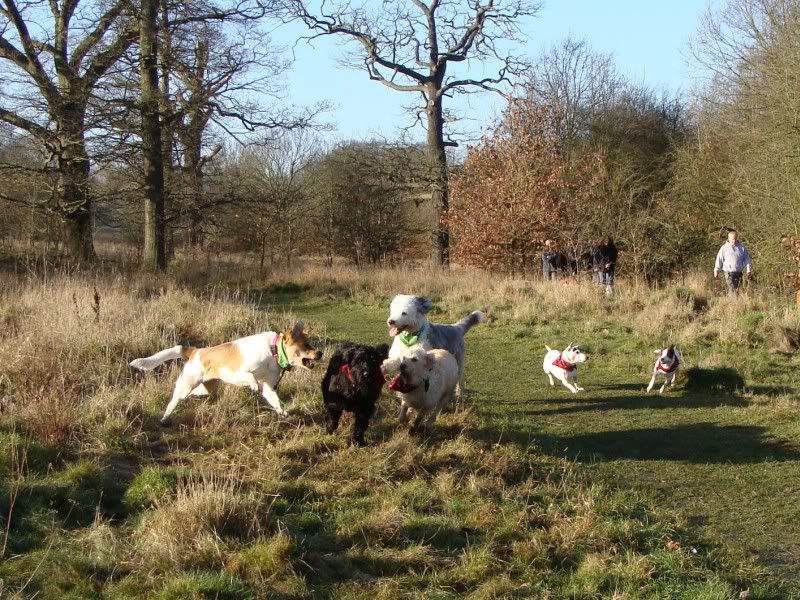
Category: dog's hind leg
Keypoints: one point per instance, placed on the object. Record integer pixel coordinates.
(187, 381)
(550, 377)
(207, 388)
(272, 397)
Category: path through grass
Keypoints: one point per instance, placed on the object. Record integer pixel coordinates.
(728, 461)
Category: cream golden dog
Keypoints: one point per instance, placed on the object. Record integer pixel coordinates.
(426, 381)
(257, 361)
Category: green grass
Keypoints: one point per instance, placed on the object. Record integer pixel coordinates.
(724, 457)
(530, 493)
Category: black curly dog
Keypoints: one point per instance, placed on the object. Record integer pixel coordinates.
(353, 383)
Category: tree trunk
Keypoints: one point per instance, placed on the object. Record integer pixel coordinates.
(167, 128)
(440, 201)
(78, 230)
(155, 258)
(193, 183)
(74, 201)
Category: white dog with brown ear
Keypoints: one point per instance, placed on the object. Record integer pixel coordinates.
(409, 326)
(426, 382)
(564, 366)
(257, 361)
(667, 366)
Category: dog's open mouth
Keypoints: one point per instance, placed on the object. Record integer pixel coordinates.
(308, 363)
(393, 330)
(400, 384)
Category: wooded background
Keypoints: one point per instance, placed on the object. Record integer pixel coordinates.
(159, 124)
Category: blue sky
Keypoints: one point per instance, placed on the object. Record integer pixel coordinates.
(648, 39)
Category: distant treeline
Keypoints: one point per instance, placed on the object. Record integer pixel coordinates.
(579, 153)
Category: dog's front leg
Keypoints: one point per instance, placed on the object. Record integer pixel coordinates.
(419, 420)
(272, 397)
(333, 412)
(651, 384)
(403, 413)
(569, 386)
(360, 424)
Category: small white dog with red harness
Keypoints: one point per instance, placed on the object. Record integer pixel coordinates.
(564, 366)
(667, 366)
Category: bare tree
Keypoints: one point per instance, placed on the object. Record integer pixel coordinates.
(214, 76)
(415, 46)
(575, 82)
(51, 64)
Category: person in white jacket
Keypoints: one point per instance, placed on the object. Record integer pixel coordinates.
(734, 260)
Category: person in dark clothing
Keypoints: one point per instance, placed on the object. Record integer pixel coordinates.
(552, 261)
(605, 263)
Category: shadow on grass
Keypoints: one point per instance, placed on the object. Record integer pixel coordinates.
(693, 443)
(640, 402)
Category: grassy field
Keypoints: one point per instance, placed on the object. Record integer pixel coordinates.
(529, 492)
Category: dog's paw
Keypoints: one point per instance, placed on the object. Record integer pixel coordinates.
(164, 422)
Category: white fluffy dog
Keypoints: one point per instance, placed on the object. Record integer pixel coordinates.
(667, 366)
(411, 330)
(564, 366)
(426, 382)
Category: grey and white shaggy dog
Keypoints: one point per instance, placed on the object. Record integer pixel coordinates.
(409, 326)
(353, 383)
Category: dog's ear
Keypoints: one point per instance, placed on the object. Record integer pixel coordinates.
(430, 360)
(423, 304)
(658, 351)
(297, 329)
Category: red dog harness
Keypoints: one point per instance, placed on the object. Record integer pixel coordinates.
(663, 369)
(345, 370)
(562, 364)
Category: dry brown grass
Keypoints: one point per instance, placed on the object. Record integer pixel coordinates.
(278, 507)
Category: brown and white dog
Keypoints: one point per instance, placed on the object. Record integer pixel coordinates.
(426, 382)
(257, 361)
(667, 366)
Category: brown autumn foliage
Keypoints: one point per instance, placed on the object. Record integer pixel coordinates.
(517, 189)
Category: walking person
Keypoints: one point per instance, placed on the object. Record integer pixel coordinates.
(552, 261)
(734, 260)
(605, 264)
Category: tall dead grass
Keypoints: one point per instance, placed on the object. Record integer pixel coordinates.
(277, 504)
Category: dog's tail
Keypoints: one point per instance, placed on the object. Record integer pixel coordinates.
(470, 320)
(548, 348)
(174, 353)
